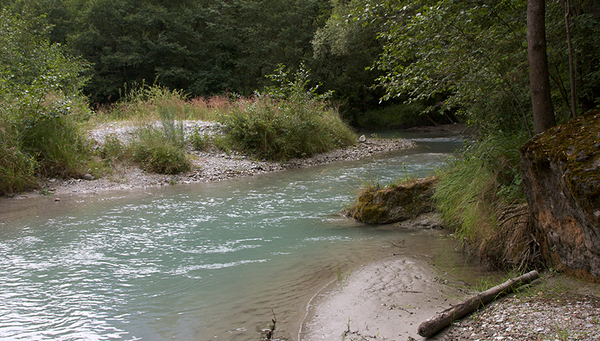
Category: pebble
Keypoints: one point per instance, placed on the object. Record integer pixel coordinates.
(529, 318)
(209, 166)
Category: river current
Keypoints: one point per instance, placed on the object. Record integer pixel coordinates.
(209, 261)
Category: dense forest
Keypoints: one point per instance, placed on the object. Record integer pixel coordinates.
(441, 57)
(380, 63)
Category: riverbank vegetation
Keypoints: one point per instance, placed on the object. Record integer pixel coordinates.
(470, 59)
(45, 114)
(68, 65)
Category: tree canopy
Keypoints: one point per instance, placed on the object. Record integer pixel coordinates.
(465, 57)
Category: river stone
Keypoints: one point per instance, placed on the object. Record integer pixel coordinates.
(375, 205)
(561, 178)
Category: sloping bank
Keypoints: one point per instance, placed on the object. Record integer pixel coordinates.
(207, 166)
(560, 224)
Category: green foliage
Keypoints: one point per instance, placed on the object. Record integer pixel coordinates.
(484, 176)
(472, 56)
(585, 38)
(59, 147)
(470, 53)
(202, 48)
(294, 124)
(294, 89)
(161, 149)
(344, 48)
(40, 95)
(403, 115)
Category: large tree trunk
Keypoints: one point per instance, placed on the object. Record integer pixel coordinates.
(541, 102)
(572, 63)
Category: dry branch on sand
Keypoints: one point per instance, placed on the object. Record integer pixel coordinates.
(431, 326)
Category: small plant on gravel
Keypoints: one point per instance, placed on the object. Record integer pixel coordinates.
(157, 154)
(200, 141)
(113, 148)
(161, 149)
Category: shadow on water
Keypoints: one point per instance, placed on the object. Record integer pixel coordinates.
(200, 262)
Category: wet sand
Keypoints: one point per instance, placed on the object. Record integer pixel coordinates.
(385, 300)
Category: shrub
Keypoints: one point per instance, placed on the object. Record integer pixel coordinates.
(17, 169)
(57, 144)
(40, 94)
(161, 149)
(289, 121)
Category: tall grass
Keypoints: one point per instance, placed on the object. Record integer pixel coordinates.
(279, 130)
(161, 149)
(144, 102)
(485, 176)
(290, 121)
(17, 169)
(57, 144)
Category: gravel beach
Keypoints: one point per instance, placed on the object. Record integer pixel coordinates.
(389, 299)
(375, 303)
(206, 166)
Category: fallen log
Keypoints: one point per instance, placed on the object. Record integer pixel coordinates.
(431, 326)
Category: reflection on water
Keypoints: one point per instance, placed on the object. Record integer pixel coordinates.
(197, 262)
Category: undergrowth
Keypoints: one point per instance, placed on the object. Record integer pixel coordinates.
(484, 175)
(289, 121)
(480, 197)
(161, 149)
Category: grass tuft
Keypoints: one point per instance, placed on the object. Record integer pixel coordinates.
(283, 130)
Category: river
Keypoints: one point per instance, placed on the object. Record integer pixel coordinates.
(209, 261)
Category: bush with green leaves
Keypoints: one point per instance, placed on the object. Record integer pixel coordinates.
(40, 95)
(161, 149)
(289, 121)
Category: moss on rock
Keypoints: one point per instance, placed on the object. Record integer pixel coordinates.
(561, 177)
(376, 205)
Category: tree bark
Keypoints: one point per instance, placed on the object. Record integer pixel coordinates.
(572, 65)
(446, 317)
(541, 102)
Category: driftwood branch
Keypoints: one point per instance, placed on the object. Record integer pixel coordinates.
(446, 317)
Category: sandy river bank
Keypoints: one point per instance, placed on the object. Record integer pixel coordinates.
(388, 299)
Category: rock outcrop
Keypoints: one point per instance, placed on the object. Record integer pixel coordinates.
(561, 177)
(376, 205)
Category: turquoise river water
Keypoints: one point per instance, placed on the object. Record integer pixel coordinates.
(198, 262)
